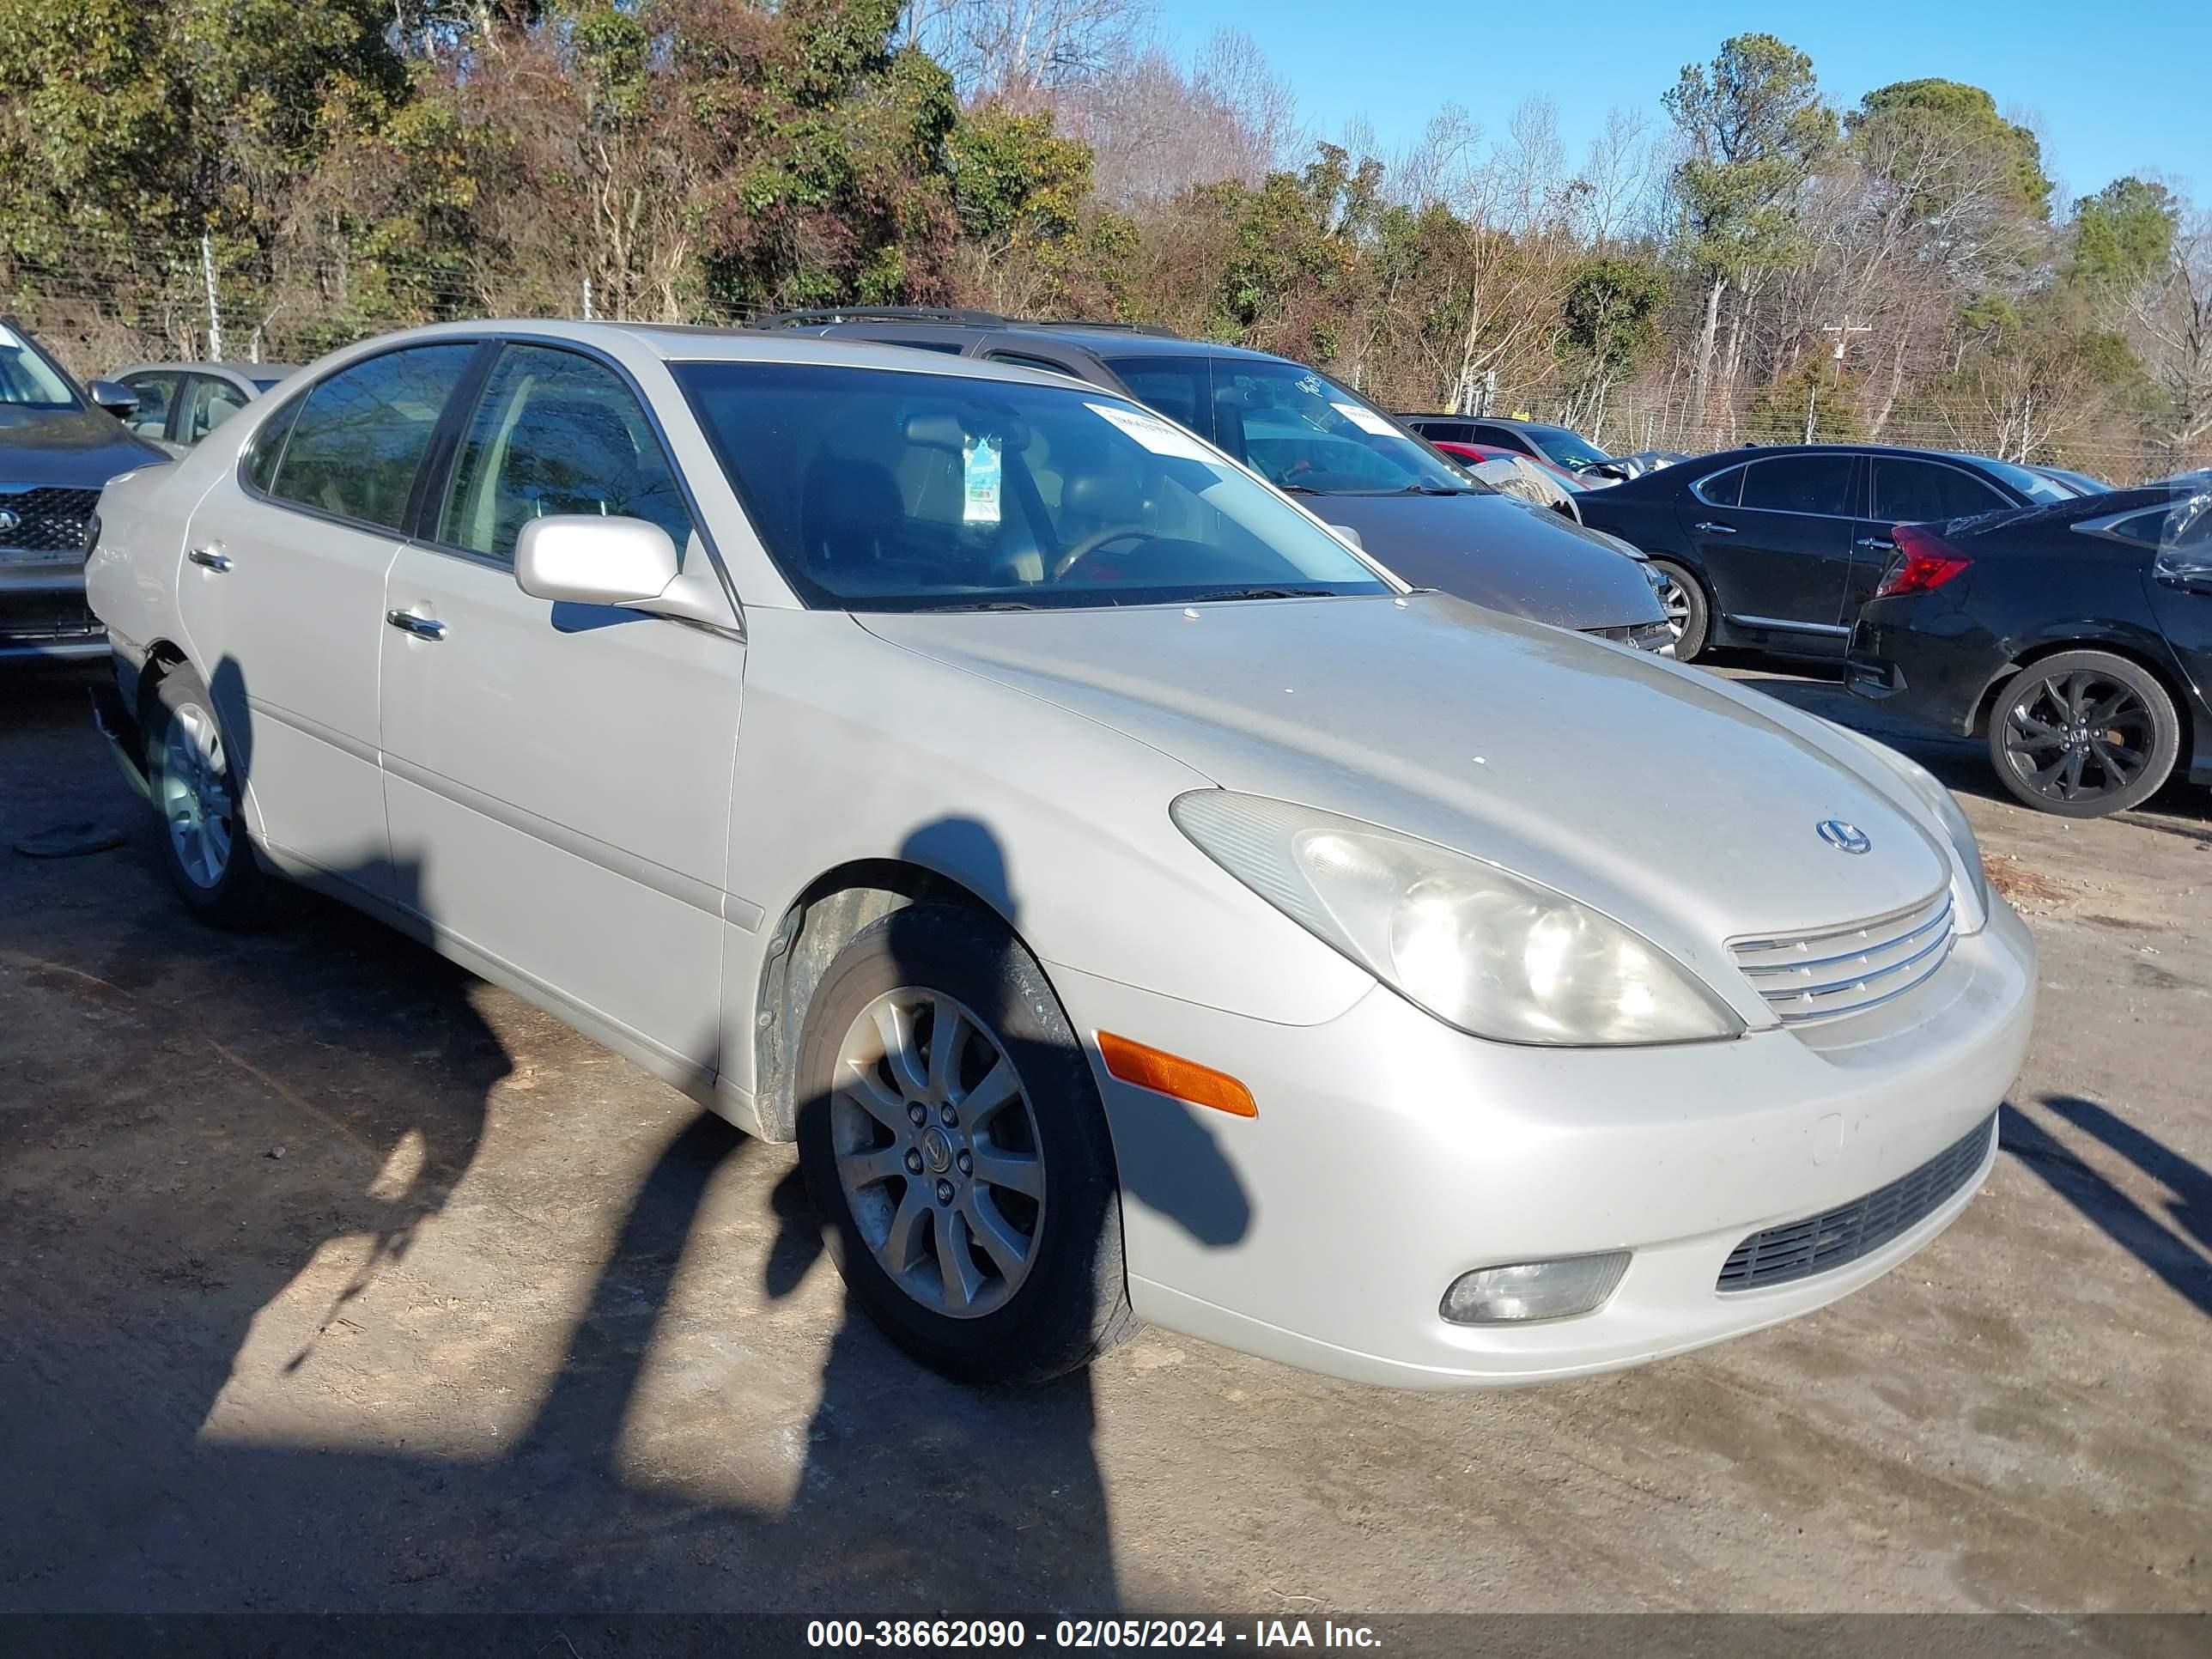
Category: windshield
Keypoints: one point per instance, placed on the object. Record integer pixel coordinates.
(1302, 431)
(27, 379)
(1569, 449)
(894, 490)
(2043, 491)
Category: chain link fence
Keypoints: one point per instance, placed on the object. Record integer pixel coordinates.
(122, 302)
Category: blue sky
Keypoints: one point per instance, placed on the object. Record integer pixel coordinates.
(2118, 87)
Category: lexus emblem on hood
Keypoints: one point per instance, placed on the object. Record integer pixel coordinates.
(1845, 837)
(9, 521)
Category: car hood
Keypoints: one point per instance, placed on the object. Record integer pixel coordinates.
(1501, 552)
(67, 448)
(1678, 803)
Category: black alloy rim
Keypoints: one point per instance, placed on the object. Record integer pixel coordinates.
(2078, 737)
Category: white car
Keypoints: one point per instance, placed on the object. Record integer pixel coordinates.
(1138, 904)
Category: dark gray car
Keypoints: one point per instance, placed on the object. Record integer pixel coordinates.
(1353, 465)
(58, 446)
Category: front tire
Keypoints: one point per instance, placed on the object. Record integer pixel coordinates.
(1688, 616)
(2083, 733)
(951, 1132)
(199, 794)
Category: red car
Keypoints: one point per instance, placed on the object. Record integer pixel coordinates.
(1492, 453)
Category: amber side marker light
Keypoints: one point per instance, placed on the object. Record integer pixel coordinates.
(1172, 1075)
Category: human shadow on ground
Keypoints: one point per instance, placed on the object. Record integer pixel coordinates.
(2165, 1249)
(156, 1245)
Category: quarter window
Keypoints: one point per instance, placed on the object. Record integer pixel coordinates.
(1723, 489)
(360, 434)
(555, 432)
(1922, 492)
(1800, 483)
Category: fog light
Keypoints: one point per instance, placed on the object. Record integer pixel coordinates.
(1534, 1289)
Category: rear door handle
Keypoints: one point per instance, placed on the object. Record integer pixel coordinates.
(1880, 544)
(423, 627)
(1715, 529)
(211, 558)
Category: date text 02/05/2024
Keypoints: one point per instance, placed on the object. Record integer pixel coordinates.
(1006, 1633)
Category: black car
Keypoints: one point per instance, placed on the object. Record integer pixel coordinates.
(58, 446)
(1777, 548)
(2077, 637)
(1418, 514)
(1561, 445)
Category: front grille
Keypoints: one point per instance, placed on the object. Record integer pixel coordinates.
(47, 519)
(1848, 969)
(1817, 1244)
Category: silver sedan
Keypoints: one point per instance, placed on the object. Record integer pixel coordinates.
(1137, 904)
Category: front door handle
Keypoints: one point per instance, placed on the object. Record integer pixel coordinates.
(1715, 529)
(211, 558)
(423, 627)
(1880, 544)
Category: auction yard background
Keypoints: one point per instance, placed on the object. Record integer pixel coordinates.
(291, 174)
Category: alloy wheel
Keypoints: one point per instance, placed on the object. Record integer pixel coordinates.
(937, 1150)
(1674, 600)
(2079, 736)
(195, 795)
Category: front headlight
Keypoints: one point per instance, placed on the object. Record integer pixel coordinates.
(1494, 954)
(1966, 852)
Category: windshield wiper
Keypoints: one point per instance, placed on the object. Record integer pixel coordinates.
(1436, 490)
(984, 605)
(1265, 594)
(1300, 489)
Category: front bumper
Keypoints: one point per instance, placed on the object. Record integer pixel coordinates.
(1392, 1154)
(43, 613)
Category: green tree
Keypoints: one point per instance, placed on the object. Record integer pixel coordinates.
(2124, 234)
(1756, 128)
(1610, 329)
(1940, 138)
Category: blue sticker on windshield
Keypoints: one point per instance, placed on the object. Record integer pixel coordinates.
(981, 505)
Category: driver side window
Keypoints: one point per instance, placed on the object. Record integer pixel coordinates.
(555, 432)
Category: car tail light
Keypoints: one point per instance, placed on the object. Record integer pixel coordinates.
(1928, 562)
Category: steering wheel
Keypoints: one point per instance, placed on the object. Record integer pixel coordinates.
(1090, 544)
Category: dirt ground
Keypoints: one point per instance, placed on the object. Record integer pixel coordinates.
(331, 1278)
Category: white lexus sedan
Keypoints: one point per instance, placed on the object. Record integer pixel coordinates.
(1136, 903)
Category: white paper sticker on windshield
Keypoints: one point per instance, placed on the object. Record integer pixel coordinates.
(1156, 435)
(981, 472)
(1366, 420)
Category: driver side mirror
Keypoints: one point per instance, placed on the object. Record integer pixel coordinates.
(118, 399)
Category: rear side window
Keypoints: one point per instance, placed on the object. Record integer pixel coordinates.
(1923, 492)
(1723, 489)
(1800, 483)
(1499, 437)
(1181, 388)
(555, 432)
(1445, 431)
(360, 434)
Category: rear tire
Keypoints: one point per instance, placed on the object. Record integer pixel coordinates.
(205, 846)
(2083, 733)
(1687, 612)
(971, 1189)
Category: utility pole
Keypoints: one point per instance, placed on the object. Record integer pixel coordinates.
(1842, 331)
(214, 310)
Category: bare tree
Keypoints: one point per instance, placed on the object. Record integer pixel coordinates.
(1021, 52)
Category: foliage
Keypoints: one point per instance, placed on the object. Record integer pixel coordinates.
(1756, 128)
(2124, 234)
